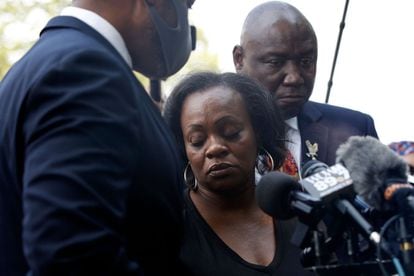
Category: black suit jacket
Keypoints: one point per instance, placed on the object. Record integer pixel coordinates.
(90, 181)
(330, 126)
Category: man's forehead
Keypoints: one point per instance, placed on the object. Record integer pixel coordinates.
(280, 32)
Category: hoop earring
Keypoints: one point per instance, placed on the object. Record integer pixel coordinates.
(189, 178)
(264, 161)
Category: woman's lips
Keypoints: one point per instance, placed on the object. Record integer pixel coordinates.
(220, 169)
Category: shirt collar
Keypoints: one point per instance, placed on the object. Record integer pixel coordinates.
(292, 123)
(103, 27)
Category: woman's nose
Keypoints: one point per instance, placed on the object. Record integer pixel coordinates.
(216, 149)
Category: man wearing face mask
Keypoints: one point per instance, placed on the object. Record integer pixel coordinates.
(90, 181)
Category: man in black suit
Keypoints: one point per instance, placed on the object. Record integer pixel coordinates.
(90, 180)
(278, 47)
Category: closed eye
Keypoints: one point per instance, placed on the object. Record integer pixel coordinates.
(232, 135)
(196, 140)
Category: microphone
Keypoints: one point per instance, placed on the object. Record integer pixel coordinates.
(311, 167)
(379, 174)
(278, 195)
(380, 178)
(333, 185)
(326, 183)
(314, 166)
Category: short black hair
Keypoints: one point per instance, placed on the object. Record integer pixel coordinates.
(267, 121)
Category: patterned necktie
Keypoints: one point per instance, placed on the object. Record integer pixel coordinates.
(289, 166)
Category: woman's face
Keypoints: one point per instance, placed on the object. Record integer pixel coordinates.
(219, 139)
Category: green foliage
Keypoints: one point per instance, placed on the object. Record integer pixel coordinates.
(20, 24)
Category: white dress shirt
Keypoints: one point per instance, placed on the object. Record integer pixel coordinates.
(103, 27)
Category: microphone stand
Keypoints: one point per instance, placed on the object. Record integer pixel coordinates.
(338, 43)
(406, 246)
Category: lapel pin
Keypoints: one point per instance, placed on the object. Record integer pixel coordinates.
(312, 150)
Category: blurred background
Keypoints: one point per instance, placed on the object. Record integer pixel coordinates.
(374, 70)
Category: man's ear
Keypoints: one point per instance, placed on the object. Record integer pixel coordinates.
(238, 57)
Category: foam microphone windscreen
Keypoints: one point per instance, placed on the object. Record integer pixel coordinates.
(371, 165)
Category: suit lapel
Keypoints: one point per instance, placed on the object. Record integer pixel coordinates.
(313, 131)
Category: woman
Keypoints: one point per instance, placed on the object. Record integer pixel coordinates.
(227, 129)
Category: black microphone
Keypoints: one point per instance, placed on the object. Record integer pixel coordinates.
(314, 166)
(311, 167)
(333, 185)
(279, 195)
(326, 183)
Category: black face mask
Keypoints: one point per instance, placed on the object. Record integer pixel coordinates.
(176, 41)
